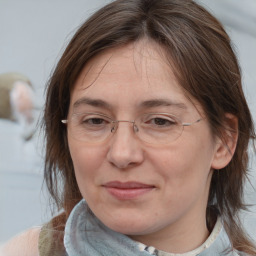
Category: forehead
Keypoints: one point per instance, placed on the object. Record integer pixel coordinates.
(128, 75)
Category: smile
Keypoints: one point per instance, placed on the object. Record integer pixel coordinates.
(127, 190)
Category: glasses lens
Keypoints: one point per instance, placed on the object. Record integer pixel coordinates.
(90, 127)
(158, 128)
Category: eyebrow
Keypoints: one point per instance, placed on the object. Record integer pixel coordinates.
(92, 102)
(162, 102)
(145, 104)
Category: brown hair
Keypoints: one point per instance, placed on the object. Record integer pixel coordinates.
(205, 66)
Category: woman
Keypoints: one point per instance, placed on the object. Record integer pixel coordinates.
(147, 130)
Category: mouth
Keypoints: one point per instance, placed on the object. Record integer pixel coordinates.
(127, 190)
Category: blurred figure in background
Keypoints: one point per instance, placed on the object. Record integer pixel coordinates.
(17, 101)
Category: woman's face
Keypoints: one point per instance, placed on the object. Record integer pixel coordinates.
(139, 189)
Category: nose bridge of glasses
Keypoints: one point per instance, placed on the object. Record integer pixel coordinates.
(116, 124)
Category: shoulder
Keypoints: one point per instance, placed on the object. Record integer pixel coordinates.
(24, 244)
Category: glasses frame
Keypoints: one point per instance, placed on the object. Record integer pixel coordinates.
(135, 128)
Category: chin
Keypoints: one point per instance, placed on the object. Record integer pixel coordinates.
(127, 227)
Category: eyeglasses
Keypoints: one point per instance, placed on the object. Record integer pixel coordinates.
(153, 128)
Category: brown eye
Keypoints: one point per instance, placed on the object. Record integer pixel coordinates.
(91, 121)
(162, 122)
(159, 121)
(94, 121)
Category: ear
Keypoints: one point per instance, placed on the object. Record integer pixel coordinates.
(226, 144)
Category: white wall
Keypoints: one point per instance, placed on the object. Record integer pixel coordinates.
(33, 34)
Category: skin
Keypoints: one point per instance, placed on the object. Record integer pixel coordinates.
(179, 172)
(24, 244)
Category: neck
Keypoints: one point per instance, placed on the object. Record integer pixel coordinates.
(178, 238)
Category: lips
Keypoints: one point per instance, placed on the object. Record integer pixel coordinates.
(127, 190)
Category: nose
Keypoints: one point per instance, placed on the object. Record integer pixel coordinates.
(125, 150)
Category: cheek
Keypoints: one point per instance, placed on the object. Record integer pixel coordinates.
(86, 159)
(87, 162)
(173, 163)
(185, 166)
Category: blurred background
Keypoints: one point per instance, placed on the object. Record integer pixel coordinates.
(33, 34)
